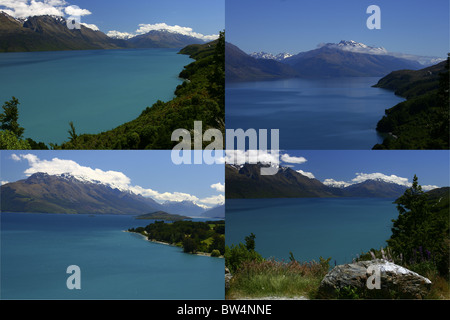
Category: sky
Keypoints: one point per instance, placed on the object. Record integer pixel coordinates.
(408, 26)
(353, 166)
(202, 16)
(149, 173)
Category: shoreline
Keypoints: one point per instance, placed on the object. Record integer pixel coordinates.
(202, 254)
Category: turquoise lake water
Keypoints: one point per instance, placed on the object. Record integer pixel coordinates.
(96, 89)
(36, 250)
(311, 114)
(311, 227)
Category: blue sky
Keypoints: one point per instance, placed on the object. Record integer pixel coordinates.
(203, 16)
(147, 169)
(407, 26)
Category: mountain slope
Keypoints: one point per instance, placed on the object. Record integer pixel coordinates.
(329, 61)
(163, 39)
(61, 194)
(47, 33)
(68, 194)
(247, 182)
(422, 121)
(216, 212)
(240, 66)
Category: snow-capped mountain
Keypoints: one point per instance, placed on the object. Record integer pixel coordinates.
(265, 55)
(353, 46)
(66, 193)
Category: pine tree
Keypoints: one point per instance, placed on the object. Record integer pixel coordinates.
(10, 116)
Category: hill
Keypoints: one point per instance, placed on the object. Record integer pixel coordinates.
(216, 212)
(162, 215)
(422, 121)
(242, 67)
(48, 33)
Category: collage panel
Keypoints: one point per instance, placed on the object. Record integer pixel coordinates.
(340, 224)
(339, 75)
(110, 225)
(95, 75)
(340, 120)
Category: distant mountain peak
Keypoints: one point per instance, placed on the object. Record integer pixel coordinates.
(266, 55)
(354, 46)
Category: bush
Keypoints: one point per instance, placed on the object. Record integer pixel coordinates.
(215, 253)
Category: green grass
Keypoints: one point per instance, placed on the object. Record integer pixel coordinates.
(271, 278)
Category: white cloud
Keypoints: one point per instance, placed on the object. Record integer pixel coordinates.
(29, 8)
(90, 26)
(76, 11)
(306, 174)
(114, 179)
(429, 187)
(145, 28)
(213, 200)
(240, 157)
(290, 159)
(218, 186)
(3, 182)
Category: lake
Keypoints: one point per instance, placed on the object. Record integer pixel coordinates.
(36, 250)
(96, 89)
(311, 227)
(340, 113)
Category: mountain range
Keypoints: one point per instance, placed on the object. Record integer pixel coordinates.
(245, 181)
(50, 33)
(343, 59)
(65, 193)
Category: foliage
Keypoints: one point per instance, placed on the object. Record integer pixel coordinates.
(258, 278)
(420, 233)
(422, 121)
(215, 253)
(236, 255)
(10, 117)
(200, 97)
(193, 236)
(9, 141)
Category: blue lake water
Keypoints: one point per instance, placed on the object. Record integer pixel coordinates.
(36, 250)
(312, 114)
(311, 227)
(96, 89)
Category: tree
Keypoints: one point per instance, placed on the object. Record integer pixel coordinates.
(189, 245)
(72, 134)
(10, 116)
(412, 228)
(250, 242)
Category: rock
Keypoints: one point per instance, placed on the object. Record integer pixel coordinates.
(350, 281)
(228, 277)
